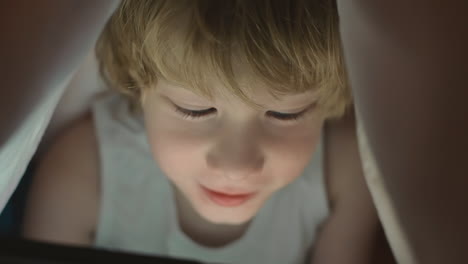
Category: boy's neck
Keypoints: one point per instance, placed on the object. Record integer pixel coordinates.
(202, 231)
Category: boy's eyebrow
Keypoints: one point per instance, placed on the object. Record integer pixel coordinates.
(182, 91)
(290, 100)
(300, 108)
(177, 101)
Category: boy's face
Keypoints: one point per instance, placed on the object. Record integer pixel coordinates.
(225, 156)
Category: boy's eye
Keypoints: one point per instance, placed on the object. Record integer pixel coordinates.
(290, 116)
(195, 114)
(284, 116)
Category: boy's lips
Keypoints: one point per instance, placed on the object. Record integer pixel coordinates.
(227, 199)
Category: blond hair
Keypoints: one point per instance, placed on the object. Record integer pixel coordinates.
(291, 46)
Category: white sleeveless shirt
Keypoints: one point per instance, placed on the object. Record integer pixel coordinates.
(138, 212)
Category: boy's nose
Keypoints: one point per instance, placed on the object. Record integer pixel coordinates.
(236, 157)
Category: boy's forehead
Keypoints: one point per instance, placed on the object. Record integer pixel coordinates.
(210, 79)
(257, 92)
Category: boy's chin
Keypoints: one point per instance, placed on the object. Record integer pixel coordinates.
(227, 219)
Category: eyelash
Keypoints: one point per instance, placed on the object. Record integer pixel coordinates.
(286, 116)
(194, 114)
(197, 114)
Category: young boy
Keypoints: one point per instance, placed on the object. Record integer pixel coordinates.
(223, 155)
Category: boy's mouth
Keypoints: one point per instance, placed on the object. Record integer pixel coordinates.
(227, 199)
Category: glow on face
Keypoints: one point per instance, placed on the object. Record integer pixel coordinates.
(225, 156)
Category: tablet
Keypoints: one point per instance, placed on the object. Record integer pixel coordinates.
(20, 251)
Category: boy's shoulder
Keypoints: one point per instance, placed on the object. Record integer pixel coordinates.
(63, 202)
(76, 143)
(342, 160)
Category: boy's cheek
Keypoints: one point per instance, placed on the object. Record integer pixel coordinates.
(181, 152)
(289, 158)
(176, 154)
